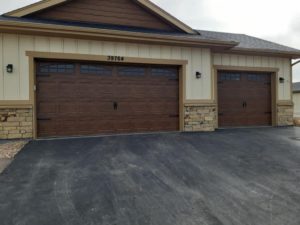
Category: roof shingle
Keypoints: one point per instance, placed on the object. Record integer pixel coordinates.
(248, 42)
(296, 87)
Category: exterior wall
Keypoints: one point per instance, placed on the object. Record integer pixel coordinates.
(16, 123)
(296, 99)
(283, 64)
(15, 86)
(198, 117)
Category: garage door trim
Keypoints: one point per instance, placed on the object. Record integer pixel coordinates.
(274, 85)
(105, 59)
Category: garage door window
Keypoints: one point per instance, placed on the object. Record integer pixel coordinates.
(46, 68)
(168, 72)
(230, 76)
(96, 69)
(131, 71)
(256, 77)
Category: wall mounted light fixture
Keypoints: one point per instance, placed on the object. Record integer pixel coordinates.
(198, 75)
(9, 68)
(281, 80)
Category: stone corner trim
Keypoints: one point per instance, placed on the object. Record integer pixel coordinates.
(285, 115)
(199, 117)
(16, 123)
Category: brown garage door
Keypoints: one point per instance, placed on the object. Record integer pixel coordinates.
(244, 99)
(79, 98)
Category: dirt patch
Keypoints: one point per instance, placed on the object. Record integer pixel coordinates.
(9, 149)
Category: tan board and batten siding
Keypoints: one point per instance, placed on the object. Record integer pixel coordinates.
(16, 86)
(296, 99)
(282, 64)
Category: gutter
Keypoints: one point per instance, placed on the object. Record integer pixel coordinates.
(107, 34)
(267, 52)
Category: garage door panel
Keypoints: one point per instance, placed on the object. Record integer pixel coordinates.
(68, 89)
(95, 125)
(132, 108)
(96, 108)
(81, 101)
(94, 90)
(47, 128)
(46, 107)
(130, 91)
(47, 90)
(244, 99)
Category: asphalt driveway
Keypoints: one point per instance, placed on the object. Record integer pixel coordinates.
(230, 177)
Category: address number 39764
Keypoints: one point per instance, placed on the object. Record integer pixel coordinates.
(115, 58)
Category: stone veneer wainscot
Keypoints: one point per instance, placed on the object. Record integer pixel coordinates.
(285, 114)
(16, 123)
(200, 117)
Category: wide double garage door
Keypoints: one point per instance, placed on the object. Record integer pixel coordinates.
(81, 98)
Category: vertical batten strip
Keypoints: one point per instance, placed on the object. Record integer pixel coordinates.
(120, 49)
(1, 69)
(165, 52)
(281, 88)
(250, 61)
(207, 74)
(11, 56)
(143, 51)
(226, 59)
(42, 44)
(70, 45)
(187, 55)
(201, 65)
(234, 60)
(287, 86)
(242, 60)
(56, 44)
(26, 44)
(257, 61)
(83, 47)
(155, 52)
(176, 53)
(96, 48)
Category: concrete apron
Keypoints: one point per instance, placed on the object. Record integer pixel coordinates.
(4, 163)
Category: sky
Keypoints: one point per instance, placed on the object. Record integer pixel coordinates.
(274, 20)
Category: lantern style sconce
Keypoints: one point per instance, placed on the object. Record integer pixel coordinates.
(198, 75)
(281, 80)
(9, 68)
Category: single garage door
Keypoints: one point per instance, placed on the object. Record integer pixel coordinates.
(81, 98)
(244, 99)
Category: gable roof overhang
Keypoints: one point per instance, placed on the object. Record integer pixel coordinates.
(55, 30)
(35, 7)
(44, 4)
